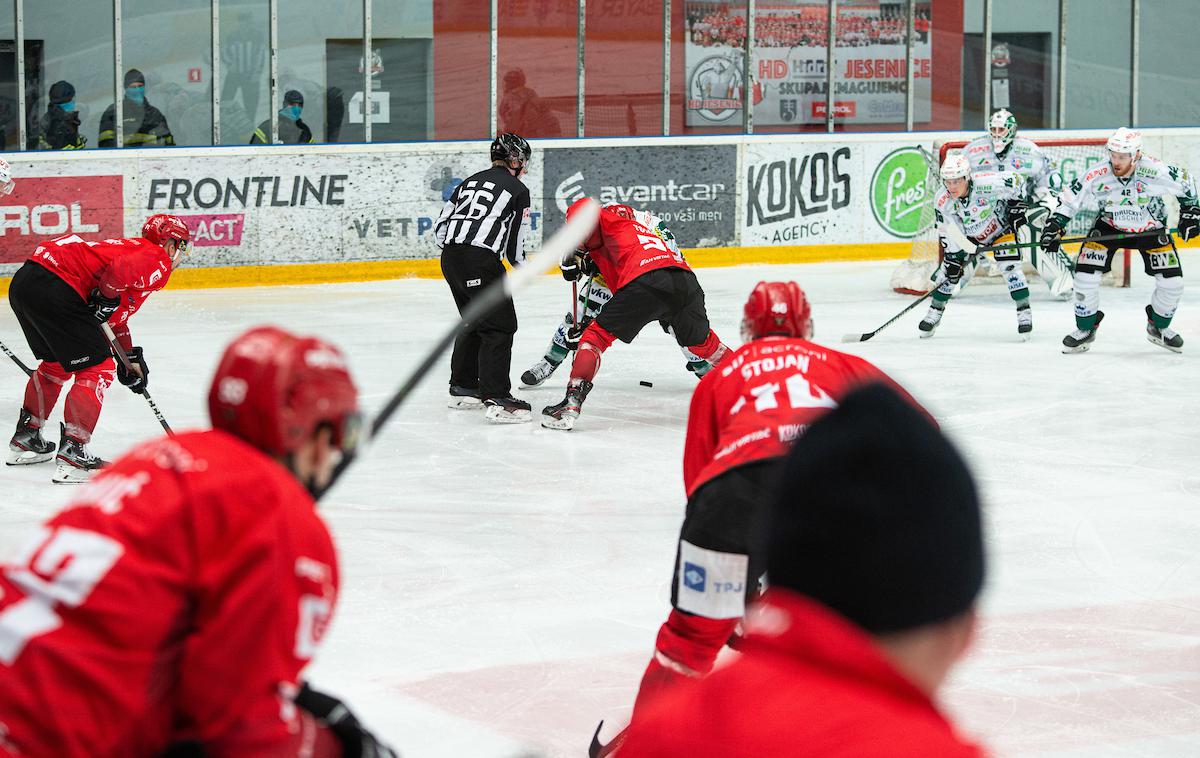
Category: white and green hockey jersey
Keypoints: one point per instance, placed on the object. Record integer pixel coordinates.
(1133, 203)
(982, 215)
(1023, 156)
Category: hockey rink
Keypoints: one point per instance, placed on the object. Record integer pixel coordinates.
(502, 585)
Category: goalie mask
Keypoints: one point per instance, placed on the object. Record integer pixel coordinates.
(1003, 128)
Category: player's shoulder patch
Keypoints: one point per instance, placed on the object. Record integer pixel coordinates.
(941, 198)
(1101, 170)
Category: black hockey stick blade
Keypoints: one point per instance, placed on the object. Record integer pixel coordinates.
(600, 749)
(553, 252)
(124, 359)
(4, 348)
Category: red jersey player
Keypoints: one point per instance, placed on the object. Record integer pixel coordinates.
(650, 282)
(743, 418)
(65, 290)
(178, 598)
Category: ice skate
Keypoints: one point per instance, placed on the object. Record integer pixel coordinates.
(933, 317)
(75, 463)
(1025, 323)
(27, 444)
(563, 415)
(507, 410)
(1078, 340)
(1165, 337)
(539, 372)
(464, 398)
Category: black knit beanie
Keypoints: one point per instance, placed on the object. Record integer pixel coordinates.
(878, 517)
(61, 92)
(133, 75)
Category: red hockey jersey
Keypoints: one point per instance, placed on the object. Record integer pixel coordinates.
(761, 398)
(126, 268)
(178, 597)
(628, 249)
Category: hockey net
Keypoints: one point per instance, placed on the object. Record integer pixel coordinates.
(1071, 157)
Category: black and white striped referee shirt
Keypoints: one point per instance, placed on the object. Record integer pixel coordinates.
(489, 210)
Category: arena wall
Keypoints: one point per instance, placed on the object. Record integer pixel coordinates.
(287, 215)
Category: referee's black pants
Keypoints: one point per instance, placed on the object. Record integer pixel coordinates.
(482, 354)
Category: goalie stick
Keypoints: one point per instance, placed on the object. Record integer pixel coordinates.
(4, 348)
(554, 251)
(124, 359)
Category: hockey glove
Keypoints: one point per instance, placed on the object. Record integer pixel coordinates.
(572, 268)
(954, 270)
(1016, 214)
(102, 307)
(1052, 232)
(1189, 222)
(356, 741)
(575, 331)
(132, 379)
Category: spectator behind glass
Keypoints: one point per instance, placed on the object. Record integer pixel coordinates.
(59, 128)
(875, 560)
(523, 112)
(142, 124)
(292, 130)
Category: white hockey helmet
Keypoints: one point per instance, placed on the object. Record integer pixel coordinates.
(956, 166)
(6, 181)
(1002, 127)
(1125, 140)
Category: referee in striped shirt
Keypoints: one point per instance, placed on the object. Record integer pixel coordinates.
(485, 218)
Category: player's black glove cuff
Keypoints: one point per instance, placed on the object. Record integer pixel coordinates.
(102, 307)
(1189, 222)
(1016, 214)
(132, 379)
(572, 268)
(1052, 232)
(575, 331)
(356, 741)
(954, 270)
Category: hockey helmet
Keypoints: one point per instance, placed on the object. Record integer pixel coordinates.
(162, 228)
(6, 181)
(274, 389)
(956, 166)
(595, 239)
(1003, 128)
(1125, 140)
(776, 308)
(510, 148)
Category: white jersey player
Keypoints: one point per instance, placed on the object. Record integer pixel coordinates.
(987, 208)
(1002, 150)
(7, 185)
(1128, 190)
(592, 299)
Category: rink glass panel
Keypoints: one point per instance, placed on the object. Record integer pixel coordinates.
(245, 69)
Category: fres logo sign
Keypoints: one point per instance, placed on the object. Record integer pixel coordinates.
(41, 208)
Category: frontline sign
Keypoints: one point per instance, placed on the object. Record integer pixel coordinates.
(41, 208)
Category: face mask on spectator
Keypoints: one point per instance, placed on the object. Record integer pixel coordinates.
(136, 94)
(291, 112)
(67, 106)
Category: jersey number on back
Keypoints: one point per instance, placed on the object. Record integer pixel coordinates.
(800, 394)
(59, 565)
(469, 205)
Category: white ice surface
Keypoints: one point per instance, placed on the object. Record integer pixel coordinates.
(502, 586)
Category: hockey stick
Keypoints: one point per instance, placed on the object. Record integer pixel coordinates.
(28, 371)
(124, 359)
(863, 337)
(1077, 240)
(553, 252)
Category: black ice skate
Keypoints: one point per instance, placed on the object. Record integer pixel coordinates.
(1165, 337)
(27, 445)
(75, 463)
(539, 372)
(933, 317)
(563, 415)
(507, 410)
(1078, 340)
(1024, 322)
(464, 398)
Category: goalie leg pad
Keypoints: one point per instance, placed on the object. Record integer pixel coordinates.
(42, 391)
(86, 398)
(1165, 299)
(1087, 298)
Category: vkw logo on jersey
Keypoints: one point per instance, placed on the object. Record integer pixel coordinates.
(715, 89)
(694, 577)
(899, 193)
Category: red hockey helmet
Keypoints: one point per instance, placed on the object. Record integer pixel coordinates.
(273, 389)
(595, 240)
(776, 308)
(162, 228)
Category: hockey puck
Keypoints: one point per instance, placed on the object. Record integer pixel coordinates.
(645, 383)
